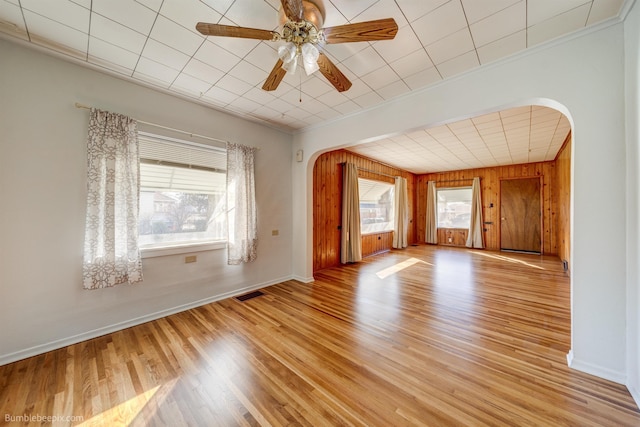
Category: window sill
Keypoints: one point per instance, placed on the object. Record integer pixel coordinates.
(151, 252)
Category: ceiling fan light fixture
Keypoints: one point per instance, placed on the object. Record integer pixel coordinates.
(288, 53)
(310, 56)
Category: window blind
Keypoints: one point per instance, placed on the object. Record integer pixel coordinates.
(170, 165)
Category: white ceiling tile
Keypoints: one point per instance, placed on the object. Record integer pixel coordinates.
(368, 99)
(415, 9)
(403, 44)
(114, 33)
(244, 104)
(157, 71)
(193, 85)
(347, 107)
(333, 98)
(263, 57)
(439, 23)
(217, 57)
(126, 12)
(316, 86)
(341, 51)
(603, 9)
(381, 77)
(451, 46)
(477, 10)
(350, 9)
(248, 73)
(542, 10)
(202, 71)
(393, 90)
(423, 78)
(412, 63)
(176, 36)
(503, 47)
(459, 64)
(151, 4)
(56, 35)
(11, 19)
(558, 25)
(63, 12)
(221, 95)
(188, 17)
(233, 85)
(364, 62)
(84, 3)
(253, 14)
(165, 55)
(112, 54)
(383, 9)
(501, 24)
(221, 6)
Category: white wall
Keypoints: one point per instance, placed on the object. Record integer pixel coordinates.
(632, 90)
(583, 77)
(42, 206)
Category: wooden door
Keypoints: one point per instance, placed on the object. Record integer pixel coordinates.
(520, 215)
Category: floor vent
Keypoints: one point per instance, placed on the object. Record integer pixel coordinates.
(249, 295)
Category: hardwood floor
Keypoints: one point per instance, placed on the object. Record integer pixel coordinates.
(424, 336)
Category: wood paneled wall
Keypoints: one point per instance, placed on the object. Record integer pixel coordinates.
(563, 190)
(490, 183)
(376, 243)
(327, 202)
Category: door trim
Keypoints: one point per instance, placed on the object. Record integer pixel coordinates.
(541, 195)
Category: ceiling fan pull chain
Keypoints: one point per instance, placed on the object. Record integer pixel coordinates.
(300, 87)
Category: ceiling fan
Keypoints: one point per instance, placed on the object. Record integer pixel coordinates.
(302, 31)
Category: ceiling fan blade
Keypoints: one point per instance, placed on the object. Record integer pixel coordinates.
(275, 77)
(332, 73)
(293, 9)
(381, 29)
(231, 31)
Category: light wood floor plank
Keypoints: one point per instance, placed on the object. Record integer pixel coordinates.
(424, 336)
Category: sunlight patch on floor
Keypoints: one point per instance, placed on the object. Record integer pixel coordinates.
(508, 259)
(383, 274)
(127, 412)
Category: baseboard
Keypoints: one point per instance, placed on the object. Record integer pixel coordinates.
(598, 371)
(63, 342)
(303, 279)
(635, 394)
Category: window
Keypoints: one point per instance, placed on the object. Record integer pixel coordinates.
(182, 192)
(454, 207)
(376, 206)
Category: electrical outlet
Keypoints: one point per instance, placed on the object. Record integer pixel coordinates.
(275, 232)
(190, 258)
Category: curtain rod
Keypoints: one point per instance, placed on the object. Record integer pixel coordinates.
(377, 173)
(86, 107)
(456, 180)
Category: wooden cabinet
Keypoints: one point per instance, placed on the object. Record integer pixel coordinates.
(452, 236)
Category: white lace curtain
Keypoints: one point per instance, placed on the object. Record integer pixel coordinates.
(242, 218)
(350, 238)
(401, 218)
(111, 253)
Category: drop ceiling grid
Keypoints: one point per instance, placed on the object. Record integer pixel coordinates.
(155, 42)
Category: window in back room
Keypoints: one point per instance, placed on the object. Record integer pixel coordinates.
(454, 207)
(376, 206)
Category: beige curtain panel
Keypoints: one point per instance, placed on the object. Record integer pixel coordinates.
(432, 214)
(351, 241)
(401, 217)
(475, 239)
